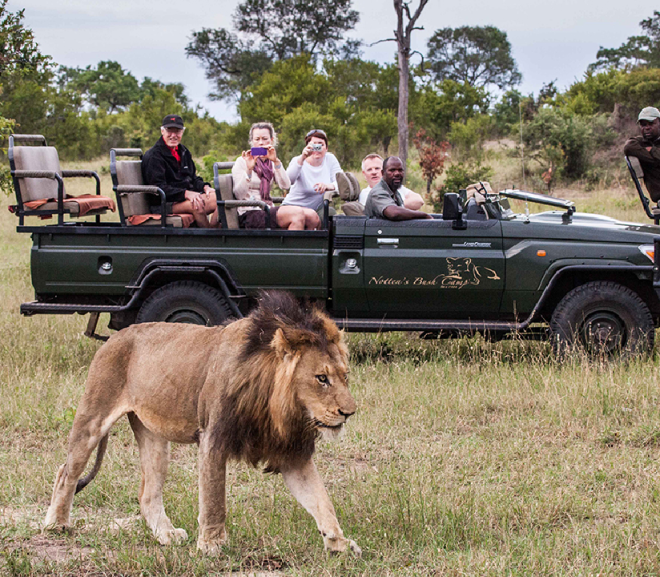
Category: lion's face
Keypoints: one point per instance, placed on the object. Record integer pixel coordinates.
(321, 386)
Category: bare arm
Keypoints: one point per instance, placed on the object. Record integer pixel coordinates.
(394, 212)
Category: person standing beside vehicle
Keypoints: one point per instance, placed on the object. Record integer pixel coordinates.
(169, 166)
(312, 173)
(253, 174)
(646, 148)
(385, 201)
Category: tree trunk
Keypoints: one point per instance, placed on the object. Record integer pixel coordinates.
(402, 115)
(403, 33)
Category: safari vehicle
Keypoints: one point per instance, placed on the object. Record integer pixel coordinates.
(476, 267)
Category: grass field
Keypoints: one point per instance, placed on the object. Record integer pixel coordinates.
(465, 458)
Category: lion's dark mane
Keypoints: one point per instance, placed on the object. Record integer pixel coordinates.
(245, 429)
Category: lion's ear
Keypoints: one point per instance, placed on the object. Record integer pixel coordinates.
(280, 344)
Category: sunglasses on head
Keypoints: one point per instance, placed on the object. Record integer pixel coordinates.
(316, 131)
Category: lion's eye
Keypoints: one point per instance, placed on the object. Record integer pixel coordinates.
(323, 379)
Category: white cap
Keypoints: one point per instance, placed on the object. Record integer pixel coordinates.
(649, 113)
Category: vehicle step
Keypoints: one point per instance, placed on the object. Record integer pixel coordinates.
(374, 325)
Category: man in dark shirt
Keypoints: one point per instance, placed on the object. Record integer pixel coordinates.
(647, 149)
(384, 200)
(169, 166)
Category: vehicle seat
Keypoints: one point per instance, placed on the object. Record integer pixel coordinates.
(39, 185)
(474, 210)
(133, 196)
(227, 203)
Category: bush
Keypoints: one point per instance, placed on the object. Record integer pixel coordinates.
(458, 177)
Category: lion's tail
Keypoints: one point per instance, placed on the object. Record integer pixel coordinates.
(87, 479)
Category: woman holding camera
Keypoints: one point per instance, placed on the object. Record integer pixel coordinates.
(312, 173)
(253, 174)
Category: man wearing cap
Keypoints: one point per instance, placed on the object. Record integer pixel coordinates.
(647, 149)
(385, 201)
(169, 166)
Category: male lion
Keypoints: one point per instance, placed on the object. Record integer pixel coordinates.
(260, 389)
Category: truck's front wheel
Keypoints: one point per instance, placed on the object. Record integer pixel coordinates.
(185, 302)
(605, 318)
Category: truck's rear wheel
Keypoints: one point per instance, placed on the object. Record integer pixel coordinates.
(185, 302)
(605, 318)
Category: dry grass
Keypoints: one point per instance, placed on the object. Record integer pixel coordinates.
(465, 458)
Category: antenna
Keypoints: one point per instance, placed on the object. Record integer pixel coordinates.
(522, 146)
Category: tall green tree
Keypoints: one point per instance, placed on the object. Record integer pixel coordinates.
(637, 51)
(25, 72)
(477, 55)
(106, 86)
(268, 31)
(441, 105)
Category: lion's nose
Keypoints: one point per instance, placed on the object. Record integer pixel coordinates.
(345, 413)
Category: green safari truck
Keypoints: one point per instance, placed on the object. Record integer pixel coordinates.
(476, 267)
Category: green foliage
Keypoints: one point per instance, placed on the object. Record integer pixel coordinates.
(353, 101)
(276, 30)
(475, 55)
(107, 86)
(6, 128)
(288, 28)
(637, 51)
(468, 136)
(438, 107)
(601, 92)
(563, 141)
(506, 112)
(230, 63)
(20, 53)
(461, 174)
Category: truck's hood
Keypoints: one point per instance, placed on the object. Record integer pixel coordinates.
(585, 227)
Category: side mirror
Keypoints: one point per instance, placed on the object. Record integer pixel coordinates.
(453, 210)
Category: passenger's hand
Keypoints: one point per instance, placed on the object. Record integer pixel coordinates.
(321, 187)
(272, 154)
(305, 153)
(250, 160)
(196, 199)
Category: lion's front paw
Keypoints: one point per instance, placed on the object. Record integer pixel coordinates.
(335, 545)
(53, 527)
(171, 536)
(212, 546)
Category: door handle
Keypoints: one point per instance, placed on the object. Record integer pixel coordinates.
(387, 241)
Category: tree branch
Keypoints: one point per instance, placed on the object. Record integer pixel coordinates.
(379, 41)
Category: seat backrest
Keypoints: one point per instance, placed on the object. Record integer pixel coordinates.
(37, 158)
(130, 172)
(225, 186)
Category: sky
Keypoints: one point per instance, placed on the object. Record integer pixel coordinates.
(550, 41)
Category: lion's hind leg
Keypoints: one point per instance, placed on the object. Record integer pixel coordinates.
(86, 434)
(154, 458)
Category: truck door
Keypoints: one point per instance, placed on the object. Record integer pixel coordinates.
(426, 268)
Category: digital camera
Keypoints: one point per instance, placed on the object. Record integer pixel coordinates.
(259, 151)
(317, 146)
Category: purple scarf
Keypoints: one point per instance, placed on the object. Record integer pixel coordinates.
(265, 172)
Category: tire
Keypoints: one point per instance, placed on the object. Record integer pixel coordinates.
(604, 318)
(185, 302)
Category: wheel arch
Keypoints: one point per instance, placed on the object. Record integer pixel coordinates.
(155, 273)
(636, 278)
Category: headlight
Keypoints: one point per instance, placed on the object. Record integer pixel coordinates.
(648, 250)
